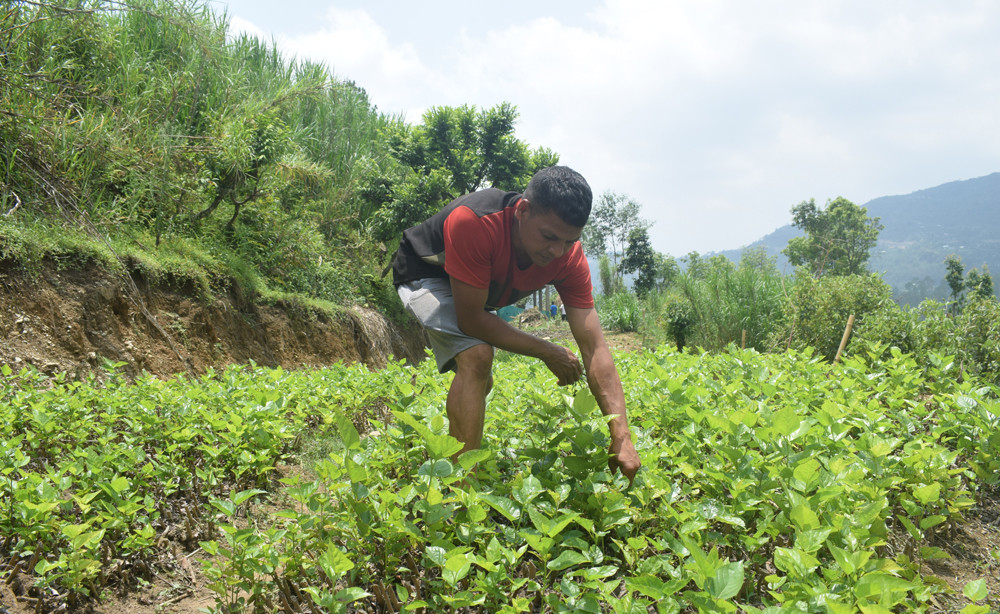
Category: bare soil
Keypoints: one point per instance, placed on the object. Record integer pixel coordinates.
(73, 321)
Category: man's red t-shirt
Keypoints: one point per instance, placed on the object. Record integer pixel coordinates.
(473, 234)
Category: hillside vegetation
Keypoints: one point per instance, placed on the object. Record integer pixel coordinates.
(921, 230)
(145, 137)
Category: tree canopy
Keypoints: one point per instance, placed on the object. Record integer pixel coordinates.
(454, 151)
(613, 220)
(838, 239)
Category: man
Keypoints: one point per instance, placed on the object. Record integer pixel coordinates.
(486, 250)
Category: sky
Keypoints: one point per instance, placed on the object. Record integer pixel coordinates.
(717, 116)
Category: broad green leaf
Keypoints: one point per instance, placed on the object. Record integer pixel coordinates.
(539, 543)
(866, 515)
(844, 559)
(649, 586)
(476, 513)
(596, 573)
(727, 581)
(456, 568)
(794, 562)
(351, 594)
(226, 507)
(584, 403)
(505, 506)
(804, 518)
(811, 541)
(240, 497)
(356, 471)
(443, 446)
(932, 521)
(567, 558)
(878, 584)
(438, 446)
(436, 554)
(836, 607)
(786, 421)
(440, 468)
(529, 488)
(120, 484)
(975, 590)
(928, 493)
(73, 530)
(550, 526)
(470, 459)
(347, 431)
(878, 447)
(807, 471)
(494, 550)
(335, 563)
(434, 496)
(911, 528)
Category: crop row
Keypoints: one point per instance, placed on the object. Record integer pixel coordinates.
(771, 483)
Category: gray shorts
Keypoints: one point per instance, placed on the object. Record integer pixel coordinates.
(430, 300)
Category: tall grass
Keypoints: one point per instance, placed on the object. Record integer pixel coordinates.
(149, 116)
(732, 303)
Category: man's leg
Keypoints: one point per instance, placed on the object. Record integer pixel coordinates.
(466, 403)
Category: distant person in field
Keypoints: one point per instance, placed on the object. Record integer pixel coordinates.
(553, 310)
(488, 249)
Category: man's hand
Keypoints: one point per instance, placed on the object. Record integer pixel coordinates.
(624, 457)
(564, 365)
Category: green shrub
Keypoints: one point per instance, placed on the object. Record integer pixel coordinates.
(729, 300)
(820, 309)
(972, 337)
(669, 315)
(620, 312)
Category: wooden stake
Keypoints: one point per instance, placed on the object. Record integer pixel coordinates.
(843, 341)
(743, 342)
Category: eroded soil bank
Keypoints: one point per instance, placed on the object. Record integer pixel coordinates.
(69, 320)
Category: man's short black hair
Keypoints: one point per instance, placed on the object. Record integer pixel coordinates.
(563, 191)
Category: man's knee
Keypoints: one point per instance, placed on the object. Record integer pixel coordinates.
(476, 362)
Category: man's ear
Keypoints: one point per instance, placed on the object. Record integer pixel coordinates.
(522, 208)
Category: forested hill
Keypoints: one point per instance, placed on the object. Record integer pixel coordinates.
(921, 230)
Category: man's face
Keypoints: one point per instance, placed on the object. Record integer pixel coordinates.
(542, 237)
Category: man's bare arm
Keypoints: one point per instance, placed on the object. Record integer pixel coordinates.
(475, 321)
(606, 385)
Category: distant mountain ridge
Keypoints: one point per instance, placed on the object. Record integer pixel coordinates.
(921, 230)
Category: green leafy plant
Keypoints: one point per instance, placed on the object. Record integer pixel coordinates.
(770, 482)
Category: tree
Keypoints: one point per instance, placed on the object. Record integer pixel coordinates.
(973, 285)
(667, 270)
(612, 221)
(955, 276)
(455, 151)
(611, 281)
(640, 258)
(838, 238)
(248, 146)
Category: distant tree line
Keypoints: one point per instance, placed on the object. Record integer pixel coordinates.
(714, 303)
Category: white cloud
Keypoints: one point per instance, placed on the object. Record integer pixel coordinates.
(238, 25)
(718, 115)
(357, 48)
